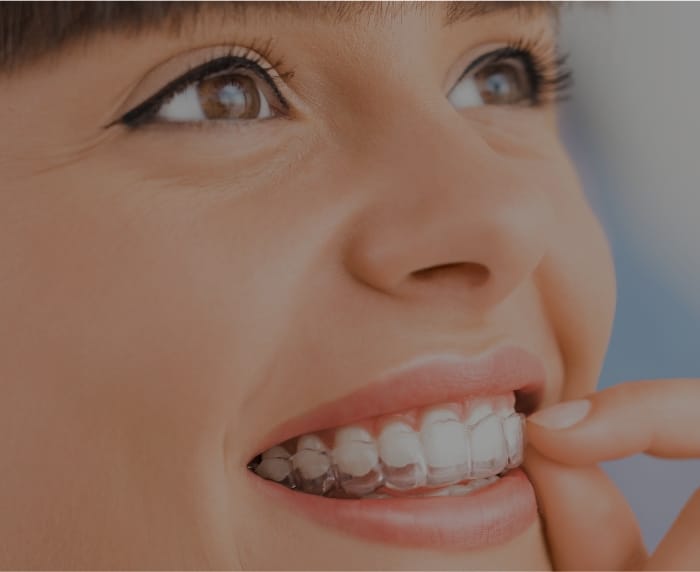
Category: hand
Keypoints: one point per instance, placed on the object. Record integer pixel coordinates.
(589, 524)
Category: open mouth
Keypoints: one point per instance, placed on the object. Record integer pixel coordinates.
(426, 456)
(448, 449)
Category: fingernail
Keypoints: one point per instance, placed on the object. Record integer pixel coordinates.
(562, 415)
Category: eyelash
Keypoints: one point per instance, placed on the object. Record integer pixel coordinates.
(546, 71)
(235, 58)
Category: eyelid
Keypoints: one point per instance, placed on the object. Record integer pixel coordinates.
(540, 60)
(168, 77)
(207, 69)
(504, 53)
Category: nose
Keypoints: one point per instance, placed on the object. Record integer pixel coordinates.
(448, 214)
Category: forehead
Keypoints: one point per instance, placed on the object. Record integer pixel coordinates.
(30, 30)
(353, 11)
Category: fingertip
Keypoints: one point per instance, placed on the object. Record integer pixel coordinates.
(562, 415)
(547, 430)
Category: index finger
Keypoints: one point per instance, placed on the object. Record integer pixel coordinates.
(587, 521)
(657, 417)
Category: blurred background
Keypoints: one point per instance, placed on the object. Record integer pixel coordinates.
(633, 129)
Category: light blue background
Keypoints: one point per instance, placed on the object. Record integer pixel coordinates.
(630, 121)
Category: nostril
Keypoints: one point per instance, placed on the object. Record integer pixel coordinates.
(473, 273)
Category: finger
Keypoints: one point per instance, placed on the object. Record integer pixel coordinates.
(588, 523)
(658, 417)
(680, 548)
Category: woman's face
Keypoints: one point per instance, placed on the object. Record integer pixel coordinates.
(332, 204)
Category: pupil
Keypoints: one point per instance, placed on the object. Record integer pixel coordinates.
(498, 84)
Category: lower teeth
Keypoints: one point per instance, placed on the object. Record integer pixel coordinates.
(451, 491)
(462, 490)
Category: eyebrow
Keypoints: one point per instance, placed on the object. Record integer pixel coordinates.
(30, 30)
(344, 12)
(457, 12)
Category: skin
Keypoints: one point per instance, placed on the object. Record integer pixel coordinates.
(171, 294)
(657, 417)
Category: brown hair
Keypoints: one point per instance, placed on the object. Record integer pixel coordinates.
(30, 31)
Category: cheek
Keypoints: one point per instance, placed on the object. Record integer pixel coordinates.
(128, 309)
(149, 302)
(111, 356)
(135, 320)
(577, 281)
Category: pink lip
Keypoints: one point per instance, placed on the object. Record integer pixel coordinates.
(490, 516)
(422, 382)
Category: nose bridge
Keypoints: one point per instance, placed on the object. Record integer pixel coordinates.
(446, 209)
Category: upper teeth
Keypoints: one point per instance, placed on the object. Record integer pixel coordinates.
(449, 444)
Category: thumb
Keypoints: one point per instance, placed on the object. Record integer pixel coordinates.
(657, 417)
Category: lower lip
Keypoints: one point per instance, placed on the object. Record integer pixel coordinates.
(487, 517)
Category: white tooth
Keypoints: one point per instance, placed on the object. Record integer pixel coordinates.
(275, 464)
(399, 445)
(311, 464)
(504, 405)
(443, 438)
(355, 451)
(311, 459)
(348, 435)
(505, 413)
(513, 432)
(479, 408)
(274, 469)
(475, 485)
(312, 442)
(276, 452)
(443, 492)
(460, 490)
(401, 452)
(488, 447)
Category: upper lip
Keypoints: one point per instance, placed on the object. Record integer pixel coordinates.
(424, 381)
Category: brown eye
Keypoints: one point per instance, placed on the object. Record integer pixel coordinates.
(230, 96)
(504, 82)
(225, 96)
